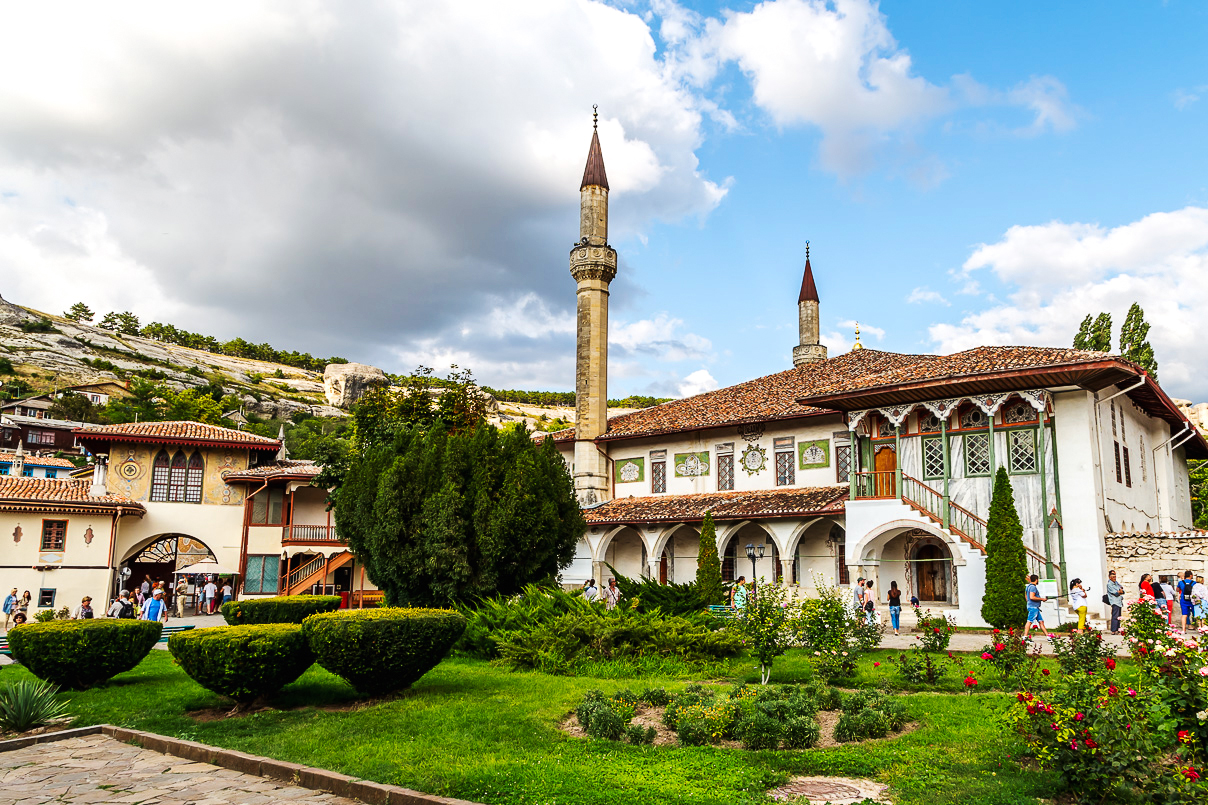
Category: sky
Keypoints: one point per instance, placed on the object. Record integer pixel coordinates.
(397, 183)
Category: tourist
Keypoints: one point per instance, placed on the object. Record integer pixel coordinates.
(1034, 599)
(612, 595)
(118, 606)
(738, 593)
(23, 604)
(84, 611)
(10, 606)
(211, 590)
(227, 592)
(1199, 595)
(145, 587)
(590, 591)
(1154, 591)
(870, 603)
(895, 606)
(858, 596)
(1168, 598)
(182, 594)
(1186, 606)
(1115, 598)
(156, 609)
(1078, 603)
(19, 619)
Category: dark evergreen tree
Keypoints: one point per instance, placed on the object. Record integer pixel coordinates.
(79, 312)
(1082, 339)
(708, 565)
(1133, 343)
(1101, 333)
(1006, 562)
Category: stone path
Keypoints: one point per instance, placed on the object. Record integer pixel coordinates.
(97, 769)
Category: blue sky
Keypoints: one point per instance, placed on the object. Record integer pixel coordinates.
(397, 183)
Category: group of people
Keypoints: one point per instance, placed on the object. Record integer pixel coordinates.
(16, 608)
(1189, 593)
(610, 594)
(865, 602)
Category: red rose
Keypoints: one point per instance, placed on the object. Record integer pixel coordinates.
(1090, 743)
(1191, 774)
(937, 630)
(999, 646)
(1110, 663)
(1045, 671)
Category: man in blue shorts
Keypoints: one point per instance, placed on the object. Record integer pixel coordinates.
(1185, 602)
(1034, 599)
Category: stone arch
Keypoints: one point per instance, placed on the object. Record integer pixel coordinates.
(629, 552)
(769, 566)
(159, 557)
(869, 545)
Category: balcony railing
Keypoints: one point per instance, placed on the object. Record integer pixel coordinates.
(311, 534)
(876, 485)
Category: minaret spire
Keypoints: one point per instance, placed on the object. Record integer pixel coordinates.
(593, 264)
(810, 349)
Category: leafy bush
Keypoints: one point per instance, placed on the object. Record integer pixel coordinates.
(29, 703)
(827, 623)
(383, 649)
(832, 665)
(79, 654)
(637, 735)
(1079, 653)
(1012, 657)
(656, 697)
(826, 697)
(935, 631)
(706, 723)
(690, 696)
(801, 733)
(243, 662)
(1145, 630)
(861, 725)
(917, 666)
(763, 622)
(603, 717)
(647, 595)
(40, 325)
(760, 731)
(282, 609)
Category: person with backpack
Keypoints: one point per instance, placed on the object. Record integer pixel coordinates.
(1186, 604)
(122, 607)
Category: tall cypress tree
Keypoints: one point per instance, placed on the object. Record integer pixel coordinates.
(708, 565)
(1082, 339)
(1133, 343)
(1101, 333)
(1006, 562)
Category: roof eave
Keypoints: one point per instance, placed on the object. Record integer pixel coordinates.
(732, 424)
(92, 436)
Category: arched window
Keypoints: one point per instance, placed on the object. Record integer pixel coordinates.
(160, 471)
(176, 492)
(196, 471)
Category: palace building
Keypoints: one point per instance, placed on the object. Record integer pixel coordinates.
(871, 463)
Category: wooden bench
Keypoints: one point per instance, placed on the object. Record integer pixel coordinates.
(167, 632)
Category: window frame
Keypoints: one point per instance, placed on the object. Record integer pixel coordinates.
(42, 594)
(47, 526)
(178, 477)
(658, 477)
(195, 471)
(926, 440)
(1119, 469)
(843, 455)
(789, 458)
(266, 561)
(160, 483)
(1127, 468)
(1036, 457)
(974, 434)
(725, 472)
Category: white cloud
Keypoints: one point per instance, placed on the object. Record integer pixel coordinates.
(866, 329)
(698, 382)
(662, 337)
(924, 294)
(1183, 98)
(1061, 272)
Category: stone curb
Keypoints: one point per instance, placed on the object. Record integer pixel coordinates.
(278, 770)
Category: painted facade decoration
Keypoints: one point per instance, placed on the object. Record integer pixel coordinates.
(692, 465)
(814, 454)
(631, 470)
(754, 459)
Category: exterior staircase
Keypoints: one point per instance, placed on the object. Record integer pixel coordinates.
(314, 572)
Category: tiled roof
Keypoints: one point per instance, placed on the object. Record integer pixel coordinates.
(37, 461)
(788, 502)
(176, 432)
(278, 469)
(34, 493)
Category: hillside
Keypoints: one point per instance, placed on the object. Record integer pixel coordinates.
(79, 353)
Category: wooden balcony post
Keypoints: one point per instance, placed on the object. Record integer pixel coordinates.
(947, 515)
(897, 459)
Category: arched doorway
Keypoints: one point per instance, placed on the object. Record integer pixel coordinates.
(932, 566)
(160, 559)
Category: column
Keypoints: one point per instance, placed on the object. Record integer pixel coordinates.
(947, 470)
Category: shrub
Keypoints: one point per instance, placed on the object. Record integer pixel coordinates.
(384, 649)
(601, 718)
(243, 662)
(1006, 560)
(1079, 653)
(647, 595)
(826, 697)
(917, 666)
(79, 654)
(760, 731)
(29, 703)
(656, 697)
(710, 588)
(637, 735)
(763, 622)
(282, 609)
(705, 723)
(690, 696)
(827, 623)
(832, 665)
(861, 725)
(935, 631)
(801, 733)
(1012, 658)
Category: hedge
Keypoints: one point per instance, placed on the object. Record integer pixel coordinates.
(78, 654)
(282, 609)
(384, 649)
(243, 662)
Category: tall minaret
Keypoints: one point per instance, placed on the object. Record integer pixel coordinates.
(809, 350)
(593, 264)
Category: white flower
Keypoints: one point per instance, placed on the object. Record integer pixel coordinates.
(1202, 715)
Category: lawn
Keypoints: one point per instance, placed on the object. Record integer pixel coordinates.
(475, 731)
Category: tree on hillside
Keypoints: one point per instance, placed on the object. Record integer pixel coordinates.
(79, 312)
(442, 517)
(125, 323)
(708, 565)
(75, 408)
(1006, 561)
(1133, 343)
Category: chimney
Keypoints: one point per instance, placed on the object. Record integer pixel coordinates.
(19, 460)
(100, 467)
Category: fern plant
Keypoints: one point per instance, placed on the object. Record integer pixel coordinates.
(29, 703)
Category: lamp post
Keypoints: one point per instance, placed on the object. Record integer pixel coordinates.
(752, 555)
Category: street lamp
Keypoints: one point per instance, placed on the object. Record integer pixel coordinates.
(753, 555)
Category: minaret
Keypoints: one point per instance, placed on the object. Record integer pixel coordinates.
(809, 350)
(593, 264)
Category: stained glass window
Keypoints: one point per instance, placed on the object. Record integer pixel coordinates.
(193, 486)
(725, 473)
(929, 423)
(160, 476)
(1021, 449)
(785, 475)
(1017, 413)
(974, 417)
(933, 459)
(977, 453)
(179, 478)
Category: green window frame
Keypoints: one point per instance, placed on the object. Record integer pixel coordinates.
(1022, 457)
(977, 454)
(933, 458)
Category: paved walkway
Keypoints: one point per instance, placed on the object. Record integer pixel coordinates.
(97, 769)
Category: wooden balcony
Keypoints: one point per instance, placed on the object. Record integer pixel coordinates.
(310, 535)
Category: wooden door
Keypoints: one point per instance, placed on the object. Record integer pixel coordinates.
(931, 574)
(886, 465)
(663, 569)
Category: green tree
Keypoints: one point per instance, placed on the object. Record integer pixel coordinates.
(1082, 339)
(763, 622)
(75, 408)
(1006, 561)
(125, 323)
(1199, 492)
(1096, 334)
(1133, 343)
(708, 565)
(79, 312)
(143, 405)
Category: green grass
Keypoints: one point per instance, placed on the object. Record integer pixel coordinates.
(471, 730)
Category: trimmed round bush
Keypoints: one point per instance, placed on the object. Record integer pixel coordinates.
(282, 609)
(243, 662)
(79, 654)
(384, 649)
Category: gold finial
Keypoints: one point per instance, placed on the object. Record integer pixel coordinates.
(857, 345)
(595, 116)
